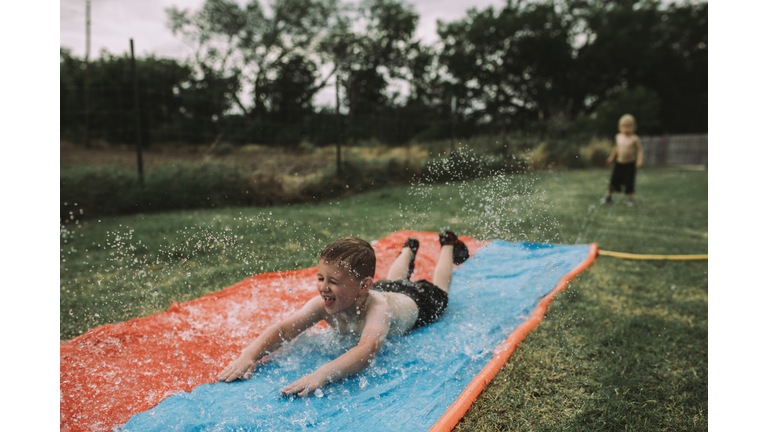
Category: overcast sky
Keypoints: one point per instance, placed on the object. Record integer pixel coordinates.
(114, 22)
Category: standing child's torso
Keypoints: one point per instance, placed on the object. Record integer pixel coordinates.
(626, 148)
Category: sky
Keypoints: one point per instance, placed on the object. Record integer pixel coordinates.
(114, 22)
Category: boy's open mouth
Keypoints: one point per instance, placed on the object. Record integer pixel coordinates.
(328, 300)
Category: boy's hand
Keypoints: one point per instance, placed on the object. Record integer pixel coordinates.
(639, 163)
(239, 368)
(304, 385)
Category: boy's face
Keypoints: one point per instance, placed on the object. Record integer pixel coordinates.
(627, 126)
(337, 286)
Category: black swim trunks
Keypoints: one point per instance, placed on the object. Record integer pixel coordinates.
(623, 175)
(430, 299)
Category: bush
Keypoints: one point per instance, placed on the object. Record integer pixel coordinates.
(92, 191)
(596, 152)
(568, 154)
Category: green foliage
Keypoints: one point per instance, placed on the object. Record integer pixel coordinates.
(508, 66)
(643, 104)
(554, 69)
(91, 191)
(663, 49)
(175, 104)
(96, 191)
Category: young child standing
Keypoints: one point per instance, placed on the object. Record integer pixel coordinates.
(350, 301)
(628, 154)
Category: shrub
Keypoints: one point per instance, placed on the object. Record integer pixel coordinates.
(92, 191)
(596, 152)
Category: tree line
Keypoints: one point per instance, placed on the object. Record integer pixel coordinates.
(553, 68)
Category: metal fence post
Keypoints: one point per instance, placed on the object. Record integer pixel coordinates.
(138, 120)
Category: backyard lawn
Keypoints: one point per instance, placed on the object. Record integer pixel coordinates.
(624, 347)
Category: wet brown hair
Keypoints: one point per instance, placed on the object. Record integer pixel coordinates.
(354, 252)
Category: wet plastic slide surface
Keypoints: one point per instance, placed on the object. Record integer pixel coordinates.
(158, 373)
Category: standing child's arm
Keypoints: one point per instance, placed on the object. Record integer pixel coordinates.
(351, 362)
(639, 152)
(271, 339)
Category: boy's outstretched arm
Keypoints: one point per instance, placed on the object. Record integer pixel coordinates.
(351, 362)
(271, 339)
(639, 153)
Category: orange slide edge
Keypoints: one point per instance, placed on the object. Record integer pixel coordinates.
(457, 410)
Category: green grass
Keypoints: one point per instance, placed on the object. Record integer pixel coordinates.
(623, 348)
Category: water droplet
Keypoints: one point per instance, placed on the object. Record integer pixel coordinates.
(319, 393)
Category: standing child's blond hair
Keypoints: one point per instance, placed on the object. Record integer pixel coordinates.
(628, 118)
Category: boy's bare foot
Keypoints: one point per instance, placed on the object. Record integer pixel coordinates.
(413, 245)
(460, 251)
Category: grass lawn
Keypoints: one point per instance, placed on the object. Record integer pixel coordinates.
(624, 347)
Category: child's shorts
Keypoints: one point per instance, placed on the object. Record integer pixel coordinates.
(623, 175)
(430, 299)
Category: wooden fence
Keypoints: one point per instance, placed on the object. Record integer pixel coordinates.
(674, 150)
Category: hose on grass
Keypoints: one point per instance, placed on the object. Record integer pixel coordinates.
(653, 257)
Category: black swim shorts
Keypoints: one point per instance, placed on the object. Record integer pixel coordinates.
(430, 299)
(623, 175)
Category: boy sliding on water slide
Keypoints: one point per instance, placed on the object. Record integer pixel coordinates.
(350, 301)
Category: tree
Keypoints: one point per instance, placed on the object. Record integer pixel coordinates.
(543, 65)
(254, 47)
(511, 67)
(175, 103)
(369, 61)
(636, 44)
(642, 103)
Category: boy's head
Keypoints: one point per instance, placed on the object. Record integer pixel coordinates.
(355, 253)
(627, 124)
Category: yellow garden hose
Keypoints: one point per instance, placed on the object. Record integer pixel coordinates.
(653, 257)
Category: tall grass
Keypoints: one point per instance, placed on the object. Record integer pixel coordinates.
(92, 191)
(221, 181)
